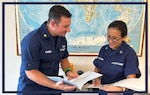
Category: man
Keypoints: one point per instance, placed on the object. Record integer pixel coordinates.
(42, 50)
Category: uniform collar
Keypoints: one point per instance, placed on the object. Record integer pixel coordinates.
(46, 35)
(44, 31)
(121, 48)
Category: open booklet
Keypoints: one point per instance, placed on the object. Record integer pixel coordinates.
(135, 84)
(80, 81)
(130, 83)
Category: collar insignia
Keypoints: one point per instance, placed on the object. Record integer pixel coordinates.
(44, 35)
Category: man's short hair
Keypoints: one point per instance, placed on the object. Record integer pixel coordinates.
(56, 12)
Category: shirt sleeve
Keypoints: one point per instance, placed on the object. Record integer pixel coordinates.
(98, 62)
(30, 54)
(132, 65)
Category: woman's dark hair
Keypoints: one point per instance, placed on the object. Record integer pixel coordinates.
(57, 11)
(120, 25)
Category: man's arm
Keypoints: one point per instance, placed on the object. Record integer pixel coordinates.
(65, 64)
(41, 79)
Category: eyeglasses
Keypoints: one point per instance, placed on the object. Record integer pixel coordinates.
(111, 38)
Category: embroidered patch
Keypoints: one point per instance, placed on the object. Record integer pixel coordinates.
(117, 63)
(100, 58)
(63, 48)
(48, 51)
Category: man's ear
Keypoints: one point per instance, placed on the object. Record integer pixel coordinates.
(53, 23)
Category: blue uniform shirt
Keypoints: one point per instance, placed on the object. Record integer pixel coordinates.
(117, 64)
(41, 51)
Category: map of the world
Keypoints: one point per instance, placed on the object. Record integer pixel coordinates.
(89, 22)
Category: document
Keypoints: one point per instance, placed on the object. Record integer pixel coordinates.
(135, 84)
(93, 86)
(80, 81)
(131, 83)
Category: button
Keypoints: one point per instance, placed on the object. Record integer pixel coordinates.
(121, 52)
(29, 65)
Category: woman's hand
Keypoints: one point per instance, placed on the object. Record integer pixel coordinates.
(111, 87)
(96, 82)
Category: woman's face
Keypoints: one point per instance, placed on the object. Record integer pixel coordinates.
(114, 38)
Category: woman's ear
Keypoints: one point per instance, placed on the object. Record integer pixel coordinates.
(126, 39)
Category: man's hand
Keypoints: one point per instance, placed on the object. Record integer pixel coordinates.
(61, 86)
(71, 75)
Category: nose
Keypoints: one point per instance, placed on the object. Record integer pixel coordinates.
(68, 29)
(110, 40)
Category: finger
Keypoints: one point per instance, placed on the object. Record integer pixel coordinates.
(76, 75)
(59, 83)
(102, 87)
(73, 74)
(68, 88)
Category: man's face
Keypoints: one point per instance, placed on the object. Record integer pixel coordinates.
(62, 27)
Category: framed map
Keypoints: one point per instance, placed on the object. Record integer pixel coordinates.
(89, 22)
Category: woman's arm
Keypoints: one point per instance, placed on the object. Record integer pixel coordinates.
(96, 81)
(116, 88)
(131, 76)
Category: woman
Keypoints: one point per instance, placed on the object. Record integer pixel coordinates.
(117, 60)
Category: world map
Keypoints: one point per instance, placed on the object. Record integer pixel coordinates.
(89, 22)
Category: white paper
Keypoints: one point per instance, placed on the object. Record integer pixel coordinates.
(80, 81)
(93, 86)
(131, 83)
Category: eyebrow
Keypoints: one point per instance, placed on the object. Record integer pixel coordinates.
(66, 25)
(112, 36)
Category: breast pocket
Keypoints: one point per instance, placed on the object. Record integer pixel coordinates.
(116, 67)
(47, 54)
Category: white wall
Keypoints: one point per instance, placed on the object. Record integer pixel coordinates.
(12, 61)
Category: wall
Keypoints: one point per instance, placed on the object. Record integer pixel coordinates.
(12, 61)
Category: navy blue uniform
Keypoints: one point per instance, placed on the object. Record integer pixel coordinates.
(117, 64)
(41, 51)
